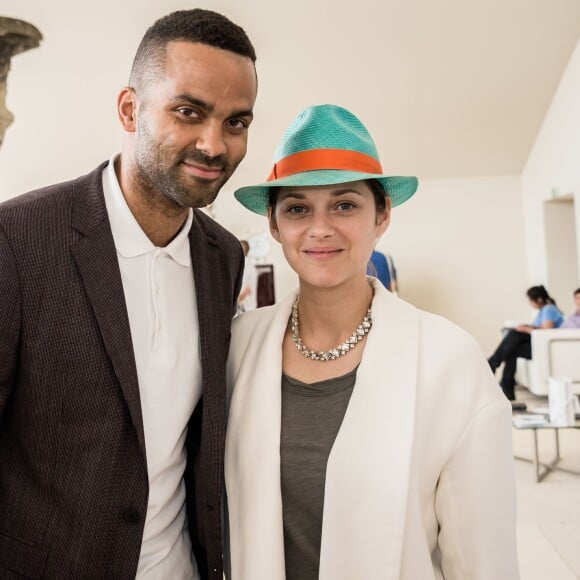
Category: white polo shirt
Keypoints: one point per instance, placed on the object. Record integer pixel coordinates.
(160, 296)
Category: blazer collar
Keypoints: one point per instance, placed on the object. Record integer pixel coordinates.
(368, 469)
(96, 259)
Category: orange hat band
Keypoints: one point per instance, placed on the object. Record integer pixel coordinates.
(324, 159)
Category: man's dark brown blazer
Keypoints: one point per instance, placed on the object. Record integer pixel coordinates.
(73, 472)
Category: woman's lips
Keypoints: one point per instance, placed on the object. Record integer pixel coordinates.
(322, 253)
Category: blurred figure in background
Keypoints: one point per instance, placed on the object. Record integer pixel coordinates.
(517, 342)
(381, 266)
(573, 321)
(247, 299)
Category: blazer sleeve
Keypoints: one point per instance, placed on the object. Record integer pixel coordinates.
(10, 312)
(476, 499)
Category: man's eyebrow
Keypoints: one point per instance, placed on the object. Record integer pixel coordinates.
(207, 108)
(194, 101)
(243, 113)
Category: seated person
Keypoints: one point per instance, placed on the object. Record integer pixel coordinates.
(518, 344)
(573, 321)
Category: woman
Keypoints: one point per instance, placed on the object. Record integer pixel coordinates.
(517, 342)
(387, 456)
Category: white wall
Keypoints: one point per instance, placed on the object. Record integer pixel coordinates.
(553, 169)
(458, 245)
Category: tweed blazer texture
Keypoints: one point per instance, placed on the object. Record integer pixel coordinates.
(73, 471)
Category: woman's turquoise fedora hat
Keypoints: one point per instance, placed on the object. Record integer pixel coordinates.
(325, 145)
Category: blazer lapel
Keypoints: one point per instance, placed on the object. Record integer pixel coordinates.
(211, 278)
(368, 469)
(96, 259)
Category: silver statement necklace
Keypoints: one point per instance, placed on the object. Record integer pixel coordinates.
(326, 355)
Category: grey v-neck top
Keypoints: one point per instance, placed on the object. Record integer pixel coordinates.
(311, 417)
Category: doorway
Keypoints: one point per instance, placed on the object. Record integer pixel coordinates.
(561, 249)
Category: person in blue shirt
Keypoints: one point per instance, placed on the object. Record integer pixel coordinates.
(382, 267)
(518, 344)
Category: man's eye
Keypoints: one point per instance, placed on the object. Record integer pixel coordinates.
(238, 124)
(187, 112)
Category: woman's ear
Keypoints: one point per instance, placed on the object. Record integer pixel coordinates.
(384, 218)
(273, 225)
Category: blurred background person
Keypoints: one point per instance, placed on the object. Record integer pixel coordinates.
(573, 321)
(247, 299)
(517, 343)
(381, 266)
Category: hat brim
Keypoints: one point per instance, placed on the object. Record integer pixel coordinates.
(255, 197)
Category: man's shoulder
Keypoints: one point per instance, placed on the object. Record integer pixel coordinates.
(47, 198)
(37, 197)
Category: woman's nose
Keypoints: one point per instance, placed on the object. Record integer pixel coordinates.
(321, 225)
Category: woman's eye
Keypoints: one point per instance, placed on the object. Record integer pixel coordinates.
(296, 210)
(345, 206)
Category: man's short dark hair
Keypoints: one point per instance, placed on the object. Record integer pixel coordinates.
(197, 25)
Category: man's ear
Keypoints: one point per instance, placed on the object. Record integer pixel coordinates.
(127, 109)
(273, 225)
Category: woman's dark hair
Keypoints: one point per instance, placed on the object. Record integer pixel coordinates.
(539, 294)
(378, 191)
(577, 291)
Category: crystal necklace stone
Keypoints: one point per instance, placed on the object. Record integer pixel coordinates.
(334, 353)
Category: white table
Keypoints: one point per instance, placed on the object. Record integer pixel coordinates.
(542, 469)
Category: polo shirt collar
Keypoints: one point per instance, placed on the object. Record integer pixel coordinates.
(130, 239)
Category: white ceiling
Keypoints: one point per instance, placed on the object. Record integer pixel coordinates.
(448, 88)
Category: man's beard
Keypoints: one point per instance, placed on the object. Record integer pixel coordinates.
(160, 173)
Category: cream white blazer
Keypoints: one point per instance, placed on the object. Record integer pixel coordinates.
(420, 480)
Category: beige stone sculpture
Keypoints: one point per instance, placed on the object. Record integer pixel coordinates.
(15, 36)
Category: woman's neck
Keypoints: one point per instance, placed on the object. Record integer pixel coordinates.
(328, 316)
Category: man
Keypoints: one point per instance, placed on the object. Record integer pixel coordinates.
(573, 321)
(114, 328)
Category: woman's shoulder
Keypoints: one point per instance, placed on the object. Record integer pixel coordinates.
(254, 323)
(551, 309)
(550, 313)
(438, 330)
(248, 321)
(432, 327)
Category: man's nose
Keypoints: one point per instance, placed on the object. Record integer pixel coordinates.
(211, 140)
